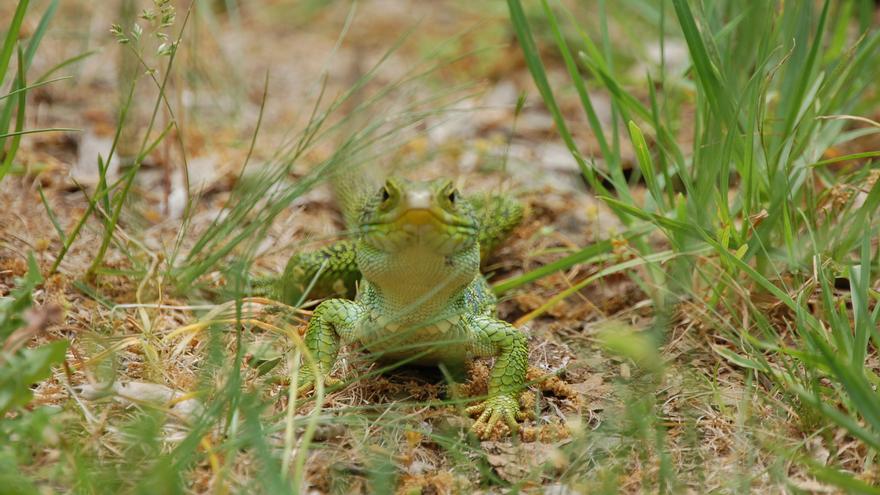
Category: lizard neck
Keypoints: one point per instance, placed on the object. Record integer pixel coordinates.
(415, 283)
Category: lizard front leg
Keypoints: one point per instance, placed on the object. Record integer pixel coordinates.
(330, 271)
(498, 215)
(332, 324)
(493, 337)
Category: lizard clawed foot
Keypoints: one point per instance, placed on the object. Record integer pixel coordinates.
(306, 382)
(494, 409)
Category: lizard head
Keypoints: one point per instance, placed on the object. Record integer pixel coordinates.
(432, 214)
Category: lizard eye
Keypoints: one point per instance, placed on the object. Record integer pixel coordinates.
(453, 196)
(385, 194)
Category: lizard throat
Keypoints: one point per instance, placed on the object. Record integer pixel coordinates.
(418, 281)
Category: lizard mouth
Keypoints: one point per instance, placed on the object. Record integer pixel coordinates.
(419, 216)
(427, 227)
(422, 217)
(430, 216)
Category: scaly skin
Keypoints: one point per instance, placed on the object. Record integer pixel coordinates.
(421, 298)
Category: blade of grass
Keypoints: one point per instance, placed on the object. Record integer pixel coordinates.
(840, 479)
(38, 34)
(32, 86)
(585, 255)
(536, 68)
(51, 215)
(797, 97)
(12, 32)
(650, 259)
(860, 277)
(707, 71)
(37, 131)
(613, 159)
(70, 61)
(846, 158)
(19, 121)
(646, 165)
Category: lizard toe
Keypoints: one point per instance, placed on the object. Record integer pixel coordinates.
(493, 410)
(477, 409)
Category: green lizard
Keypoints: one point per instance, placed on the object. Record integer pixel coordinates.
(420, 295)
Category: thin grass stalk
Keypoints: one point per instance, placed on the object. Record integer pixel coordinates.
(123, 194)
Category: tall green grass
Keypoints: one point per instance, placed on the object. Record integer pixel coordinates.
(774, 88)
(13, 105)
(23, 426)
